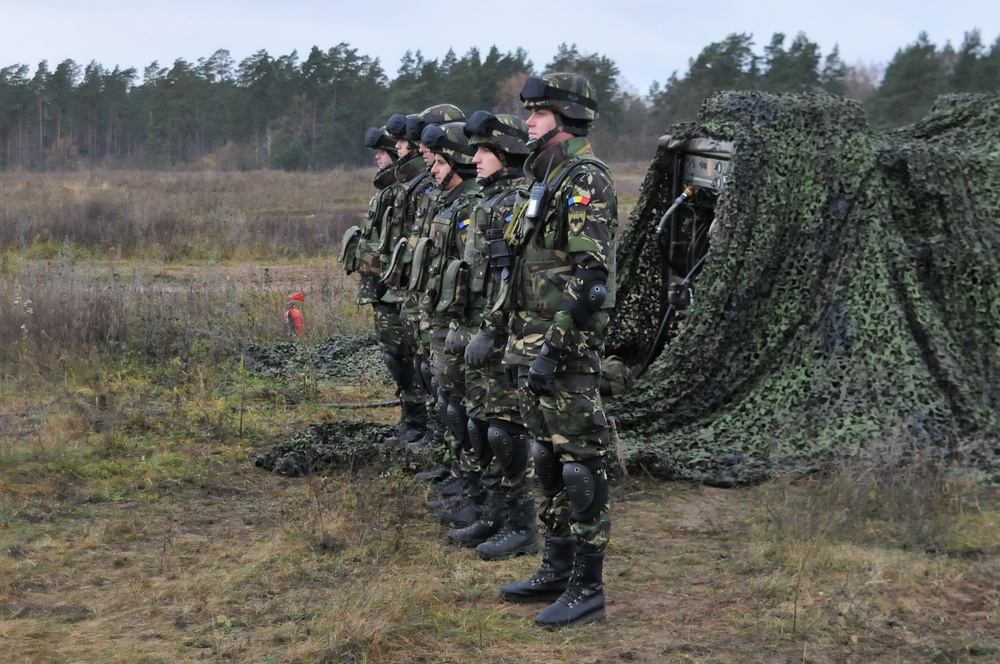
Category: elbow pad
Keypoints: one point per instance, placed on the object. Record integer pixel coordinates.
(595, 292)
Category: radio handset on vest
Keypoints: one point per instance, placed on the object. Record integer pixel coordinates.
(538, 198)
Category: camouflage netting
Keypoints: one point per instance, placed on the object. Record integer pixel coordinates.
(336, 357)
(851, 299)
(328, 445)
(334, 445)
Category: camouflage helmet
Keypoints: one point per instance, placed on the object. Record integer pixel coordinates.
(570, 95)
(377, 138)
(503, 133)
(449, 141)
(434, 115)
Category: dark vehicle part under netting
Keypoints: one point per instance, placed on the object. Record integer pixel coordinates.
(850, 300)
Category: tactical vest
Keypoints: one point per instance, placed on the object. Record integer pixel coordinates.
(543, 273)
(490, 219)
(414, 199)
(360, 247)
(443, 274)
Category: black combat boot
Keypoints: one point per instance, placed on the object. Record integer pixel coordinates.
(436, 474)
(517, 536)
(447, 491)
(583, 601)
(447, 501)
(469, 508)
(433, 434)
(453, 484)
(494, 512)
(412, 425)
(550, 580)
(414, 422)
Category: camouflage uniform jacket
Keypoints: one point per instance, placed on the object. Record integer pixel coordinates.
(572, 235)
(365, 245)
(415, 196)
(486, 253)
(444, 275)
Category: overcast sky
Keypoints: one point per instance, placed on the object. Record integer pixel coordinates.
(648, 40)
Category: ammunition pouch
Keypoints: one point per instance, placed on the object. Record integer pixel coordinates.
(498, 250)
(397, 273)
(349, 258)
(418, 264)
(454, 291)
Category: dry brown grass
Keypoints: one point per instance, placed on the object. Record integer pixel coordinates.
(134, 526)
(181, 216)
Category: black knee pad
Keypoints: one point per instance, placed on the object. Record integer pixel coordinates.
(455, 417)
(548, 469)
(422, 368)
(478, 441)
(587, 488)
(401, 371)
(510, 446)
(441, 404)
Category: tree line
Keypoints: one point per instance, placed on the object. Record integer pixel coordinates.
(297, 114)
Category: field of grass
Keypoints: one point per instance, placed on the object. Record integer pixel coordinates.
(135, 527)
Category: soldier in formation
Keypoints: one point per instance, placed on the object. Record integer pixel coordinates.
(499, 440)
(498, 255)
(562, 287)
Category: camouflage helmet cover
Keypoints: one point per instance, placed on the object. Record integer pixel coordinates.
(570, 95)
(377, 138)
(449, 140)
(504, 132)
(433, 115)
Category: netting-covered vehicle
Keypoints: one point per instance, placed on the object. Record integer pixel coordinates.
(795, 287)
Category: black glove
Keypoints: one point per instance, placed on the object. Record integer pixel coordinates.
(453, 342)
(479, 349)
(510, 375)
(541, 373)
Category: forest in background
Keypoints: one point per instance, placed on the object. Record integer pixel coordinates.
(311, 114)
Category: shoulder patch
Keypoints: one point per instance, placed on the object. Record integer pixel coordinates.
(576, 216)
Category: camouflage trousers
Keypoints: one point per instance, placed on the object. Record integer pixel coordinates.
(448, 370)
(571, 424)
(396, 338)
(490, 401)
(410, 318)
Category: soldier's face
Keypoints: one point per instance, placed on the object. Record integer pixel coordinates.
(540, 122)
(402, 147)
(486, 162)
(427, 155)
(382, 159)
(441, 170)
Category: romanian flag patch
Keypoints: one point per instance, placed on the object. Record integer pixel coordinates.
(579, 200)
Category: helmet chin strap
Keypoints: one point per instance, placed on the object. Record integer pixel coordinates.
(536, 144)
